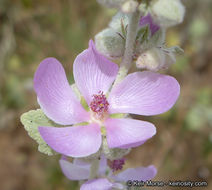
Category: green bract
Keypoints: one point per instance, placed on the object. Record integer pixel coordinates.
(31, 121)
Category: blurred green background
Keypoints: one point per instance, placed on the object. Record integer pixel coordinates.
(33, 30)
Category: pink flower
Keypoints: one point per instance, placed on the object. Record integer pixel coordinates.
(143, 93)
(79, 170)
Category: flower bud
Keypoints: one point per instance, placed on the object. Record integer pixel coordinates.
(110, 43)
(119, 22)
(129, 6)
(152, 59)
(147, 20)
(157, 58)
(168, 12)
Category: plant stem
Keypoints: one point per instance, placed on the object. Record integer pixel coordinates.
(94, 169)
(129, 46)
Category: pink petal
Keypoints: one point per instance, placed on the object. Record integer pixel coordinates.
(126, 132)
(93, 72)
(144, 93)
(77, 141)
(132, 145)
(55, 96)
(147, 20)
(74, 172)
(97, 184)
(141, 174)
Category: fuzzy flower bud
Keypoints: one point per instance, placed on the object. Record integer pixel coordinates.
(152, 60)
(129, 6)
(168, 13)
(157, 58)
(119, 22)
(110, 43)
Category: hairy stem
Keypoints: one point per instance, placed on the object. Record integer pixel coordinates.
(94, 169)
(129, 46)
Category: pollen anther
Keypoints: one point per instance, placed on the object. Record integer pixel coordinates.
(99, 104)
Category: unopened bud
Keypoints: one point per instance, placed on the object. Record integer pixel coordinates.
(168, 12)
(110, 43)
(157, 58)
(129, 6)
(148, 21)
(119, 22)
(152, 60)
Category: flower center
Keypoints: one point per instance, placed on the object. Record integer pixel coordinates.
(116, 165)
(99, 105)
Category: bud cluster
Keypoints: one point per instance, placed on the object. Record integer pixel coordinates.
(150, 52)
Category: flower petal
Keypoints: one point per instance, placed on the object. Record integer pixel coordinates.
(144, 93)
(141, 174)
(97, 184)
(74, 172)
(77, 141)
(93, 72)
(55, 95)
(148, 20)
(132, 145)
(126, 132)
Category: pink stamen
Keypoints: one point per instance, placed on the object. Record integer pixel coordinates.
(117, 164)
(99, 104)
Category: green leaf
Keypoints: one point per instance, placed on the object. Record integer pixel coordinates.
(31, 121)
(144, 37)
(143, 34)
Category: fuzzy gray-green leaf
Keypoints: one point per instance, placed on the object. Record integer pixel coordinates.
(31, 121)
